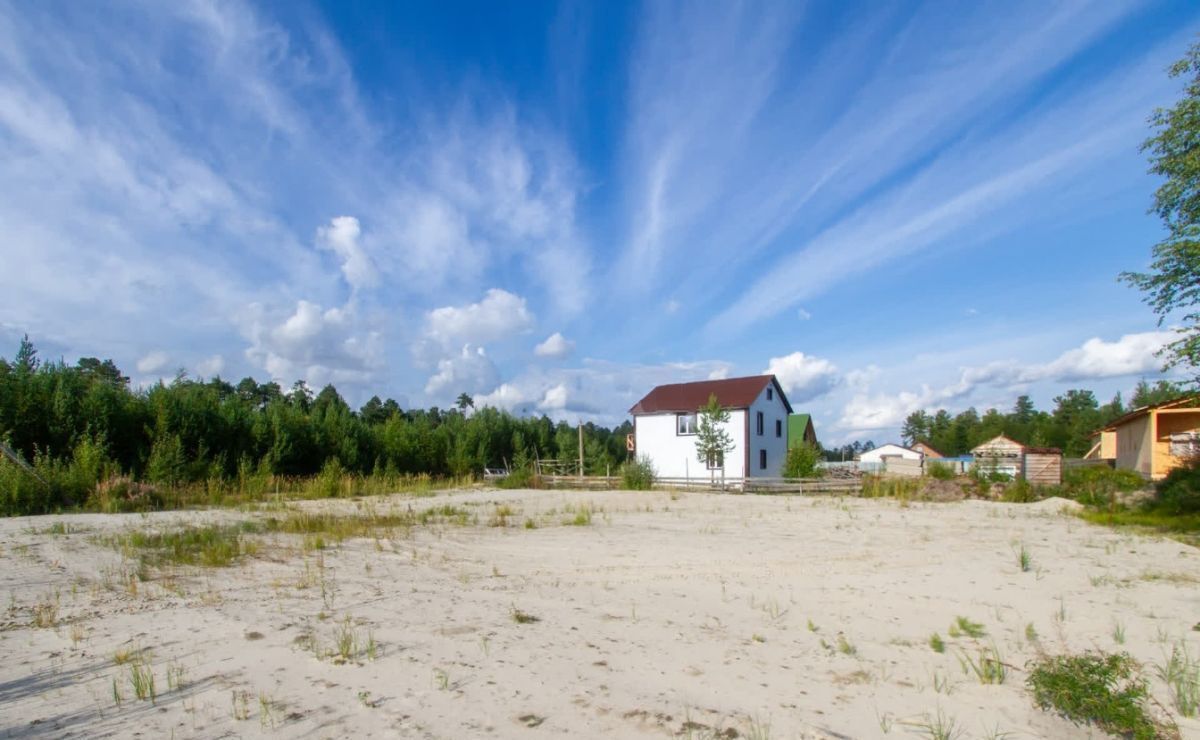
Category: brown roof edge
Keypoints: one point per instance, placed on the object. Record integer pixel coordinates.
(1043, 450)
(1131, 415)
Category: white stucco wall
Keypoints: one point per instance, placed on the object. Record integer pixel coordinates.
(674, 455)
(876, 455)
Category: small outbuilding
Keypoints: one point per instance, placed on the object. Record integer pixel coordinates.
(1152, 440)
(1037, 465)
(927, 451)
(800, 430)
(889, 451)
(1043, 466)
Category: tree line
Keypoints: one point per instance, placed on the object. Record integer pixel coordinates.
(1069, 426)
(192, 429)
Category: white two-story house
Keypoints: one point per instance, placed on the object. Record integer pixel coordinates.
(666, 420)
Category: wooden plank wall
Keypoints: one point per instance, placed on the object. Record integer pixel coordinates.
(1043, 470)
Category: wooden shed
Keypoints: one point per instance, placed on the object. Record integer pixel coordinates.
(1043, 466)
(1000, 455)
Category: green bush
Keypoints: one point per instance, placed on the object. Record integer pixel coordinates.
(1020, 492)
(1098, 485)
(939, 471)
(1179, 492)
(520, 478)
(637, 475)
(801, 461)
(1097, 688)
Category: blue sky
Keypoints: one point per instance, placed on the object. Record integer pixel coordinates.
(556, 207)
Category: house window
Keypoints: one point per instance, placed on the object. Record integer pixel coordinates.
(762, 459)
(770, 394)
(685, 424)
(778, 428)
(716, 460)
(759, 423)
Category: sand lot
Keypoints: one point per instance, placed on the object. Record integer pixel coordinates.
(695, 615)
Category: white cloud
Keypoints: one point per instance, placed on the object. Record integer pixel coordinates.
(341, 238)
(802, 314)
(556, 345)
(500, 315)
(716, 173)
(882, 411)
(153, 362)
(506, 396)
(1132, 354)
(555, 399)
(471, 371)
(803, 377)
(317, 345)
(210, 366)
(1095, 359)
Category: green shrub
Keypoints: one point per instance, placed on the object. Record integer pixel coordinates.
(520, 478)
(939, 471)
(1098, 485)
(638, 474)
(801, 461)
(1020, 492)
(1179, 492)
(1102, 689)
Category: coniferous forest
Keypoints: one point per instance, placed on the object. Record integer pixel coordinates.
(1069, 426)
(96, 441)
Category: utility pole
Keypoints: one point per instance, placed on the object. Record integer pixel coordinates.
(581, 450)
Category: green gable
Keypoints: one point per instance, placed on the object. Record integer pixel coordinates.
(798, 426)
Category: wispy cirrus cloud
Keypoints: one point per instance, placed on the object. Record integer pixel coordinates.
(214, 165)
(740, 163)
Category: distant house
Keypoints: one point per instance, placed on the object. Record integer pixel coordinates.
(665, 423)
(1152, 440)
(800, 430)
(927, 451)
(1039, 465)
(889, 451)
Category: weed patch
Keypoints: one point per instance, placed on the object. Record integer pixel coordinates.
(1104, 690)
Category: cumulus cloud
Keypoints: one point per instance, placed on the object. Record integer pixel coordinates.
(314, 344)
(555, 399)
(470, 371)
(505, 396)
(153, 362)
(499, 315)
(882, 411)
(556, 345)
(802, 376)
(1095, 359)
(210, 366)
(341, 237)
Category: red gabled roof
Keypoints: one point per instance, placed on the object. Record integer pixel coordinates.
(732, 393)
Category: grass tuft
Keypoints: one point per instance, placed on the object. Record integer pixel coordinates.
(936, 644)
(963, 626)
(521, 617)
(1181, 673)
(1100, 689)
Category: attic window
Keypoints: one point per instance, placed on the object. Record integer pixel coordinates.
(685, 424)
(770, 394)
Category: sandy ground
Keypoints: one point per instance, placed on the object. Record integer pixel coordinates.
(666, 616)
